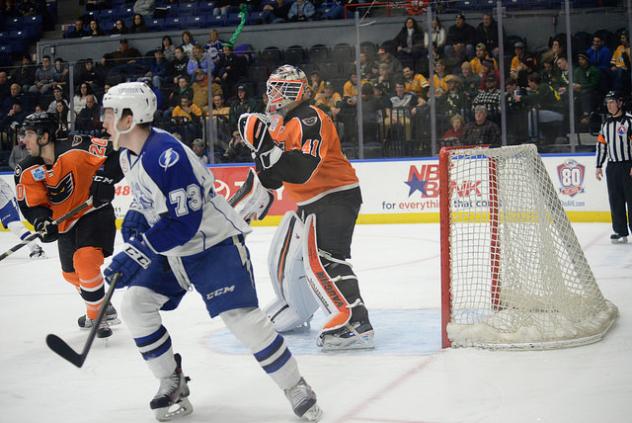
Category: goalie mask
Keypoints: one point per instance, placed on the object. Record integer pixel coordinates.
(286, 85)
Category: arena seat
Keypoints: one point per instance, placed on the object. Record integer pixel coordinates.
(318, 53)
(342, 52)
(295, 55)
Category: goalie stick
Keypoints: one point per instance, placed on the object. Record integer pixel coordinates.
(64, 350)
(57, 221)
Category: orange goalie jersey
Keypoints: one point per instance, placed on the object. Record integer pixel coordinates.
(66, 183)
(320, 168)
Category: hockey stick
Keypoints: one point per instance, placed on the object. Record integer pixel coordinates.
(243, 191)
(57, 221)
(60, 346)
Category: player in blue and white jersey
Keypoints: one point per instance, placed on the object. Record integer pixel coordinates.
(181, 235)
(10, 219)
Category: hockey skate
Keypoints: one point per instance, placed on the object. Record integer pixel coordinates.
(171, 399)
(37, 253)
(103, 331)
(110, 315)
(618, 239)
(303, 401)
(355, 335)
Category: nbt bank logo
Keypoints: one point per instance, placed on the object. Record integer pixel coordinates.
(423, 190)
(425, 179)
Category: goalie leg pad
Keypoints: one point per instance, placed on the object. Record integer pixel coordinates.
(286, 318)
(325, 278)
(295, 303)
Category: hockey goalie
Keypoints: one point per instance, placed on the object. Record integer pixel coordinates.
(296, 146)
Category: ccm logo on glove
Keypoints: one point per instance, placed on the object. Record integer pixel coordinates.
(138, 256)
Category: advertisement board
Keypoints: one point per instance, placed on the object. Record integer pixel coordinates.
(407, 190)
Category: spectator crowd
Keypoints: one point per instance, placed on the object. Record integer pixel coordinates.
(394, 88)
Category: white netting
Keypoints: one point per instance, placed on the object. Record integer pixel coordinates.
(519, 278)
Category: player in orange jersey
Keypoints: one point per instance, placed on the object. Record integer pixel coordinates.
(58, 176)
(298, 148)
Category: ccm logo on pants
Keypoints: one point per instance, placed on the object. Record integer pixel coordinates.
(219, 292)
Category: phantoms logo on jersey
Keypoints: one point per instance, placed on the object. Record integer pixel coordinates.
(168, 158)
(62, 191)
(571, 176)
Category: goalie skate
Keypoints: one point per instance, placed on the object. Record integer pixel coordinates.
(111, 316)
(303, 401)
(171, 399)
(353, 336)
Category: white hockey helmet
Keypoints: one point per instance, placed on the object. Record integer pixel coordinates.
(285, 86)
(135, 96)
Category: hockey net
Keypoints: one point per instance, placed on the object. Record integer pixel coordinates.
(513, 273)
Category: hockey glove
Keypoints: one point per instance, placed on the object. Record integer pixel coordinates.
(136, 256)
(253, 128)
(46, 229)
(134, 225)
(252, 200)
(102, 190)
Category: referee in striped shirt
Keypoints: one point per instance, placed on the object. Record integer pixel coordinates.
(615, 143)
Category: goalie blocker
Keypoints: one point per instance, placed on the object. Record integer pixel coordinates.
(252, 200)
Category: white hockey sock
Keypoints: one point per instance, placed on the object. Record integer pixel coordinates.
(141, 313)
(21, 232)
(254, 330)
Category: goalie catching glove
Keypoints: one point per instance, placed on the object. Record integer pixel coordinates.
(254, 130)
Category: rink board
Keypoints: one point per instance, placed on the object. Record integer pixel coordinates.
(407, 190)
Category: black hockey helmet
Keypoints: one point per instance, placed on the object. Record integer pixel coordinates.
(613, 95)
(40, 122)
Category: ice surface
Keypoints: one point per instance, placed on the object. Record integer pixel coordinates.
(406, 379)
